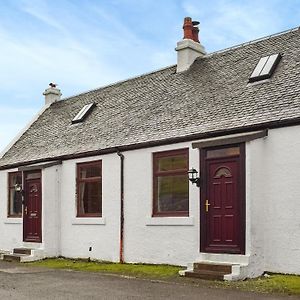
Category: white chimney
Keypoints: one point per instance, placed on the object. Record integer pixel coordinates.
(52, 94)
(189, 48)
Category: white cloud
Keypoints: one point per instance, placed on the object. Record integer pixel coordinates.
(163, 58)
(40, 10)
(9, 111)
(78, 49)
(191, 8)
(9, 130)
(227, 23)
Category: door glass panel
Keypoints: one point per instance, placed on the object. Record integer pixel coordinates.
(33, 175)
(232, 151)
(223, 171)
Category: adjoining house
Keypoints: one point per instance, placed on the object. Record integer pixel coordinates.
(104, 174)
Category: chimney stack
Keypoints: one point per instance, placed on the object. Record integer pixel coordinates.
(189, 48)
(52, 94)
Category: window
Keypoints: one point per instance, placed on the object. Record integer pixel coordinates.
(14, 198)
(223, 152)
(170, 183)
(265, 67)
(89, 189)
(84, 112)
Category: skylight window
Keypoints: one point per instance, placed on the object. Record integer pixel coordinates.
(265, 67)
(84, 112)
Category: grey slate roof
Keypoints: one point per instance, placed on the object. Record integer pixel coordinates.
(212, 96)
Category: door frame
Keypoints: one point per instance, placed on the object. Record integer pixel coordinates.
(25, 179)
(242, 197)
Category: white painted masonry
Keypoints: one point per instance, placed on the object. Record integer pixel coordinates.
(102, 234)
(11, 228)
(272, 211)
(52, 94)
(187, 52)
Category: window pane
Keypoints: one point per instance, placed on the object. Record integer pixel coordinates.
(172, 163)
(90, 171)
(90, 197)
(259, 66)
(172, 193)
(33, 175)
(15, 198)
(15, 178)
(268, 66)
(223, 152)
(15, 203)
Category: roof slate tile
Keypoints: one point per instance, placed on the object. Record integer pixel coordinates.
(213, 95)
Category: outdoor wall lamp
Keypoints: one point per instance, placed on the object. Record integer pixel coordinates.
(18, 188)
(193, 177)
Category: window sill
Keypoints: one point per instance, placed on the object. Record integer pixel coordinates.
(170, 221)
(89, 221)
(13, 221)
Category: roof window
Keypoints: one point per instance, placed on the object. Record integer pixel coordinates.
(84, 112)
(265, 67)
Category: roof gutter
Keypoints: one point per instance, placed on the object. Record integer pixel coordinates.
(187, 138)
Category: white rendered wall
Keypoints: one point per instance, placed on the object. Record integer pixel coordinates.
(272, 210)
(11, 229)
(255, 195)
(171, 240)
(281, 190)
(176, 240)
(51, 210)
(102, 234)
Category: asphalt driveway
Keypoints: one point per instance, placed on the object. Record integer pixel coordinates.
(23, 282)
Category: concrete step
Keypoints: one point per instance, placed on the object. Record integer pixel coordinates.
(211, 270)
(205, 274)
(223, 268)
(2, 253)
(24, 255)
(13, 257)
(26, 251)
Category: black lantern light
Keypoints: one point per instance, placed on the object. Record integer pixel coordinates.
(193, 177)
(18, 188)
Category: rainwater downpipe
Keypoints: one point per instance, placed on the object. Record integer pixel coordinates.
(121, 207)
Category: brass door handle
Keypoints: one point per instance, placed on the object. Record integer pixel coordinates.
(207, 204)
(25, 210)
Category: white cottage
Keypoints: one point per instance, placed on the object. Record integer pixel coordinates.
(104, 174)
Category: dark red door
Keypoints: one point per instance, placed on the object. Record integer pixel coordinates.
(222, 201)
(32, 214)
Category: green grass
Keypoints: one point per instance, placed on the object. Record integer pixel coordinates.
(136, 270)
(276, 283)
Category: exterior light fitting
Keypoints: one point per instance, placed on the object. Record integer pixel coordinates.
(193, 177)
(18, 188)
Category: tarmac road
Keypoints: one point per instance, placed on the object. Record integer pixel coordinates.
(19, 282)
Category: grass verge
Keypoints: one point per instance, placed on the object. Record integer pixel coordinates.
(273, 283)
(136, 270)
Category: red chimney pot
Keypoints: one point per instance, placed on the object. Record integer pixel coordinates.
(190, 29)
(196, 34)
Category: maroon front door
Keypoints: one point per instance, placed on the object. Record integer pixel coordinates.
(32, 213)
(223, 200)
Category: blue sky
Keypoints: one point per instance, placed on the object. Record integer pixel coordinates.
(86, 44)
